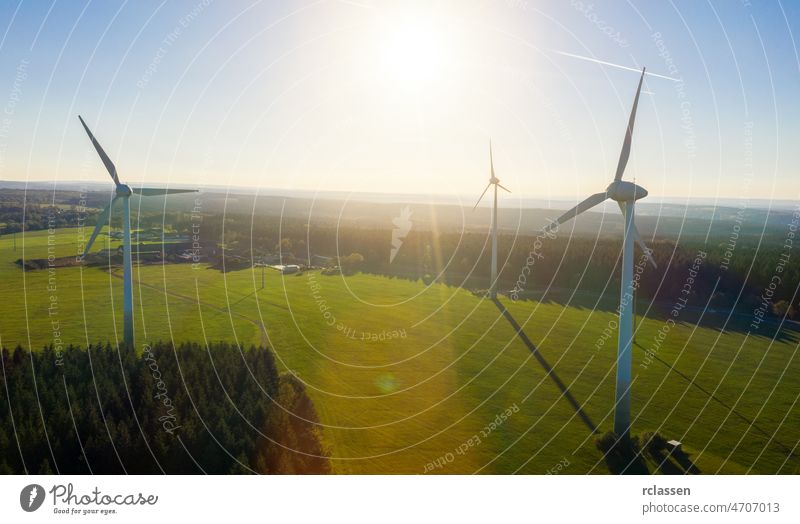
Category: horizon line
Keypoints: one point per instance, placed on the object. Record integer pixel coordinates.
(275, 191)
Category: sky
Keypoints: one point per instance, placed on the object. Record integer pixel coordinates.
(404, 96)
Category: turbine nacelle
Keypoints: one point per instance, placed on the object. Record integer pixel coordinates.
(623, 191)
(124, 190)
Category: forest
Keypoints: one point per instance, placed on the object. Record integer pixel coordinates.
(36, 209)
(184, 409)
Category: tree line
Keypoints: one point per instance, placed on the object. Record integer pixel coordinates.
(724, 278)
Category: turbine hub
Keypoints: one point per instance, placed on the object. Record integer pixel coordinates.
(623, 191)
(124, 190)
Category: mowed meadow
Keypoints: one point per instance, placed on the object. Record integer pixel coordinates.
(409, 378)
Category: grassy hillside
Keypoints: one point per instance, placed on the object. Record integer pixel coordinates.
(408, 378)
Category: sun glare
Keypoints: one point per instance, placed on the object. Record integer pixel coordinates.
(413, 55)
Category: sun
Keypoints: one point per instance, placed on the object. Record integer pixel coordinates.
(414, 54)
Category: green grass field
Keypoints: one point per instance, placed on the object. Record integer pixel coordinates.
(399, 404)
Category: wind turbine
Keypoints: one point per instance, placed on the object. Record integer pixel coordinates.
(123, 192)
(493, 181)
(626, 194)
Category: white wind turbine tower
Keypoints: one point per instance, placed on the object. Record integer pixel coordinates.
(493, 181)
(626, 194)
(123, 192)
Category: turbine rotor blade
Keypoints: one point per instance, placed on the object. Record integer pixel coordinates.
(503, 188)
(626, 144)
(648, 253)
(638, 238)
(155, 191)
(491, 160)
(102, 218)
(103, 156)
(481, 197)
(586, 205)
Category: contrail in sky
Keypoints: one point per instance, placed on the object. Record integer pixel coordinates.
(603, 62)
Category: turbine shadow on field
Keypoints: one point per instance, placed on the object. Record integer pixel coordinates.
(719, 319)
(546, 366)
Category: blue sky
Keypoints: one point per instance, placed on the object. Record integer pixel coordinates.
(403, 96)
